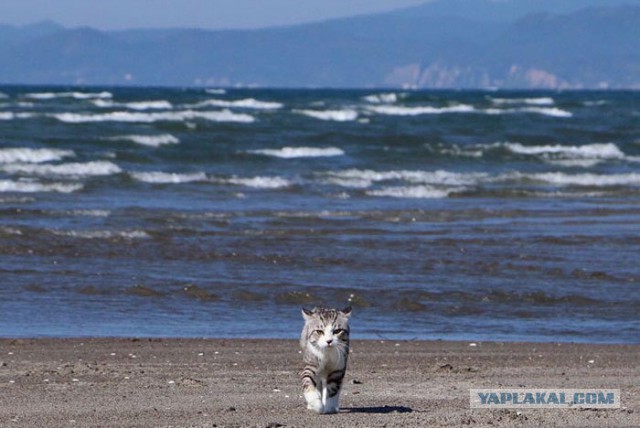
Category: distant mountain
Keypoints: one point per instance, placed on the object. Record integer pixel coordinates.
(443, 44)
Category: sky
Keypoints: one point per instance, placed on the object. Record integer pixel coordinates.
(209, 14)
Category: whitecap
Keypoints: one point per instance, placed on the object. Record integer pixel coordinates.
(9, 115)
(8, 186)
(414, 192)
(259, 182)
(347, 115)
(546, 111)
(97, 168)
(358, 178)
(248, 103)
(76, 95)
(134, 105)
(103, 234)
(215, 91)
(168, 178)
(27, 155)
(149, 140)
(383, 98)
(588, 151)
(149, 105)
(587, 179)
(90, 213)
(420, 110)
(300, 152)
(176, 116)
(538, 101)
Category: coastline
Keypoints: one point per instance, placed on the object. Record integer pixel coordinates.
(253, 382)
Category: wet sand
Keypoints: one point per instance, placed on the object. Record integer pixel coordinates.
(254, 383)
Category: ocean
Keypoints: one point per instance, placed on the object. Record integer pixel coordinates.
(455, 215)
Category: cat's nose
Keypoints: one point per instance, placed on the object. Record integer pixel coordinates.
(329, 341)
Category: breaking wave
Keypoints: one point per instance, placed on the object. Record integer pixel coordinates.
(26, 155)
(299, 152)
(88, 169)
(416, 111)
(346, 115)
(9, 186)
(538, 101)
(149, 140)
(413, 192)
(168, 178)
(248, 103)
(587, 179)
(365, 178)
(135, 105)
(76, 95)
(174, 116)
(259, 182)
(384, 98)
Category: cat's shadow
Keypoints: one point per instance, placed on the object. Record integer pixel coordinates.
(378, 409)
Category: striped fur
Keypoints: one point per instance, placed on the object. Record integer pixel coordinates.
(325, 348)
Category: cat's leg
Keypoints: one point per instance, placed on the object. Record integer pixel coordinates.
(312, 394)
(331, 392)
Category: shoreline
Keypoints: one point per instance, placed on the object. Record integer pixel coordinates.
(254, 382)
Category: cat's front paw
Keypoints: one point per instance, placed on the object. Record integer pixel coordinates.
(314, 401)
(315, 406)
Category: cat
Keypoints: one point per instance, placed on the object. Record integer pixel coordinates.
(325, 349)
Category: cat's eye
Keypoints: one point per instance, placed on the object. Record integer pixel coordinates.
(338, 331)
(320, 332)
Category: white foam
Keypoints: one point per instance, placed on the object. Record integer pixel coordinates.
(8, 186)
(168, 178)
(546, 111)
(76, 95)
(103, 234)
(346, 115)
(554, 111)
(420, 110)
(149, 140)
(260, 182)
(90, 213)
(365, 178)
(414, 192)
(9, 115)
(588, 151)
(27, 155)
(150, 105)
(3, 96)
(539, 101)
(134, 105)
(384, 98)
(300, 152)
(174, 116)
(592, 180)
(215, 91)
(98, 168)
(248, 103)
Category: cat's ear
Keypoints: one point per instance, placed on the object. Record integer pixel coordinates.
(306, 313)
(347, 311)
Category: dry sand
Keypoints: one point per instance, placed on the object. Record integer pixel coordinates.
(249, 383)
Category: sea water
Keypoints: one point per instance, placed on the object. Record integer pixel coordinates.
(221, 212)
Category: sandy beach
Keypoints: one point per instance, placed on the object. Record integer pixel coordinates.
(254, 383)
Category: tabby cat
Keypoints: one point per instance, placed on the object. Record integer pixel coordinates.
(325, 350)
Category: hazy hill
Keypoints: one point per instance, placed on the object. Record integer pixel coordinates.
(445, 44)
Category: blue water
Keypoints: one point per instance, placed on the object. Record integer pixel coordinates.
(219, 213)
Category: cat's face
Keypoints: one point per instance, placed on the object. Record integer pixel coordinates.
(327, 328)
